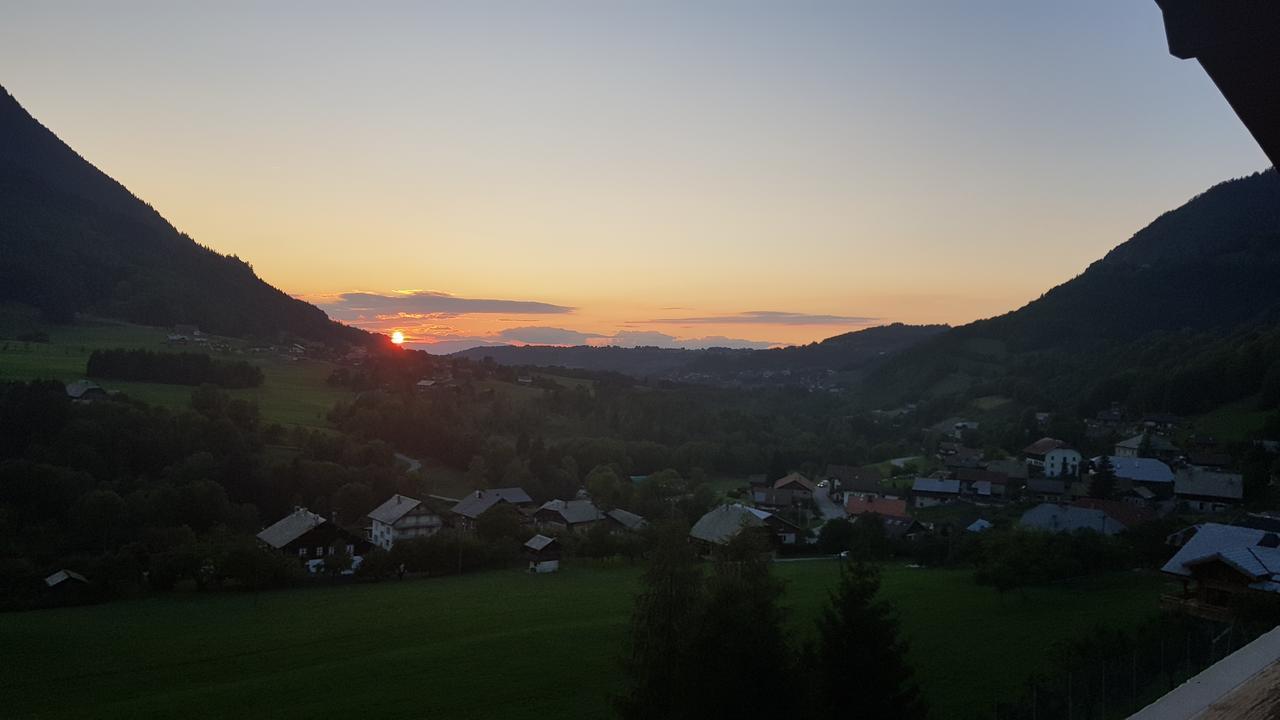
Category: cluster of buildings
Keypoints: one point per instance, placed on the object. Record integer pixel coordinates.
(311, 538)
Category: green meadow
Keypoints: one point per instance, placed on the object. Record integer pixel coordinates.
(293, 393)
(500, 644)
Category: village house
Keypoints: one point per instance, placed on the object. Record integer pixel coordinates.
(848, 479)
(1055, 518)
(1046, 489)
(1127, 514)
(723, 523)
(1207, 490)
(85, 391)
(1053, 458)
(857, 505)
(1157, 447)
(898, 523)
(625, 521)
(310, 538)
(928, 492)
(470, 508)
(402, 517)
(800, 487)
(567, 515)
(982, 483)
(543, 554)
(1219, 563)
(769, 497)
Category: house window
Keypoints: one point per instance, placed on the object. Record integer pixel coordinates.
(331, 549)
(302, 552)
(351, 549)
(320, 551)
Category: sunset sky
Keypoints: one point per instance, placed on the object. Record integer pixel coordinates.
(682, 173)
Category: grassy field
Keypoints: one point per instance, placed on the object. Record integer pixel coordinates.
(294, 392)
(1237, 421)
(501, 644)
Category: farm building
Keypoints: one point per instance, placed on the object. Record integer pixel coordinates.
(928, 492)
(722, 524)
(310, 538)
(470, 508)
(568, 515)
(402, 517)
(1052, 457)
(84, 391)
(543, 554)
(1218, 563)
(1157, 446)
(1207, 490)
(625, 521)
(1054, 518)
(800, 487)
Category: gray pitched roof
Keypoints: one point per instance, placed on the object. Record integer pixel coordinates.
(78, 388)
(1208, 483)
(574, 511)
(64, 575)
(1242, 548)
(979, 525)
(628, 520)
(539, 542)
(475, 504)
(934, 485)
(722, 523)
(392, 510)
(1055, 518)
(290, 528)
(1139, 469)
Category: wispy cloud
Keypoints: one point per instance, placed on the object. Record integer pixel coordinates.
(537, 335)
(762, 317)
(442, 342)
(651, 338)
(428, 305)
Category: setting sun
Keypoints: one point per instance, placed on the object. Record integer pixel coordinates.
(397, 337)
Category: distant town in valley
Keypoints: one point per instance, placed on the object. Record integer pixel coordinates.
(217, 500)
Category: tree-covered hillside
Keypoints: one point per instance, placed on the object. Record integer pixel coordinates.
(1182, 317)
(74, 240)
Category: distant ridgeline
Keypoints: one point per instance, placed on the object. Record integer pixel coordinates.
(74, 240)
(171, 368)
(1183, 317)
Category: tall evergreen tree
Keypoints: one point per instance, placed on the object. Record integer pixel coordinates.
(666, 615)
(1102, 483)
(858, 663)
(744, 665)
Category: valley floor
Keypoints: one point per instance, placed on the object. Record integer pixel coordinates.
(501, 644)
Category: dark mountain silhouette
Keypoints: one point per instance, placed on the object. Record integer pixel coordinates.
(851, 354)
(1181, 316)
(74, 240)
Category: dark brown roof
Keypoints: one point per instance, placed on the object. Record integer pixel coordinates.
(1043, 446)
(1124, 513)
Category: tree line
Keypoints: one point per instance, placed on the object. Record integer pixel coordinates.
(171, 368)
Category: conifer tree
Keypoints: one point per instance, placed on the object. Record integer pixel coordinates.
(858, 664)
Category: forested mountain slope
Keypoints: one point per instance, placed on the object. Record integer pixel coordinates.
(1180, 317)
(74, 240)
